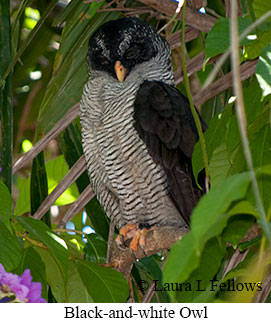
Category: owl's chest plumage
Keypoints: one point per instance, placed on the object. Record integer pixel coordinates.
(131, 187)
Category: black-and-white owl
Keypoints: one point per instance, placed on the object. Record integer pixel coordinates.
(137, 129)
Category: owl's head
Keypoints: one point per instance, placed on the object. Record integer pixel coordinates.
(118, 46)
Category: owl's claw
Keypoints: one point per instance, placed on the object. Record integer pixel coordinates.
(132, 236)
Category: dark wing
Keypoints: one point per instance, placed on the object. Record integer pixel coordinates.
(164, 121)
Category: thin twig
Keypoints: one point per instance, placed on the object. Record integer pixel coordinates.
(241, 116)
(32, 241)
(70, 230)
(68, 118)
(123, 9)
(178, 9)
(247, 70)
(78, 205)
(202, 22)
(77, 169)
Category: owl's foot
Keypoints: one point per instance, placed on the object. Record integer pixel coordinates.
(132, 236)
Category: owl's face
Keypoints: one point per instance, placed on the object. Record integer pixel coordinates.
(119, 45)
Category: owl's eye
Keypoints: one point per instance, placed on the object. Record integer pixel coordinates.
(132, 52)
(103, 60)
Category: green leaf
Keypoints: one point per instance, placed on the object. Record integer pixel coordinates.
(76, 290)
(263, 70)
(5, 204)
(10, 250)
(248, 244)
(199, 280)
(244, 207)
(151, 266)
(260, 146)
(95, 249)
(66, 13)
(210, 212)
(252, 96)
(182, 260)
(104, 285)
(39, 186)
(218, 39)
(254, 49)
(54, 274)
(237, 227)
(56, 169)
(148, 269)
(261, 7)
(241, 267)
(32, 260)
(209, 218)
(219, 165)
(213, 137)
(23, 201)
(41, 231)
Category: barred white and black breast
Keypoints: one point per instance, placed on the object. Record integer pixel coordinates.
(138, 135)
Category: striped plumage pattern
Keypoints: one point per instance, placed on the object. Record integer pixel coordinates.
(131, 187)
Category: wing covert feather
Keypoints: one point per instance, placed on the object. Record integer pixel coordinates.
(165, 123)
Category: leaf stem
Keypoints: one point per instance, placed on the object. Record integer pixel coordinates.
(70, 230)
(32, 241)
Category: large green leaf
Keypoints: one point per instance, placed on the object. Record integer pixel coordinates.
(218, 39)
(10, 249)
(261, 7)
(95, 249)
(104, 285)
(54, 275)
(237, 228)
(209, 218)
(23, 201)
(252, 97)
(254, 49)
(214, 136)
(263, 70)
(39, 186)
(219, 165)
(260, 146)
(5, 204)
(199, 280)
(41, 231)
(76, 290)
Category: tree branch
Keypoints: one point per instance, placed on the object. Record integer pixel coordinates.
(202, 22)
(156, 240)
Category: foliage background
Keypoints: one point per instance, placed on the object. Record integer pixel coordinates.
(44, 190)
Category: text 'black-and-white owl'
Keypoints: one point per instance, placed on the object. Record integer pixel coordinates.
(137, 128)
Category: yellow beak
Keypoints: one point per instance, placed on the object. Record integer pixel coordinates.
(120, 71)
